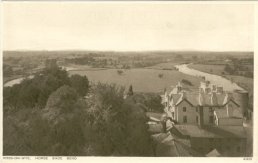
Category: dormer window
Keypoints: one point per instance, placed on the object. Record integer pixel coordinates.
(184, 109)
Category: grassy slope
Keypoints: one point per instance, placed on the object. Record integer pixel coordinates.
(213, 69)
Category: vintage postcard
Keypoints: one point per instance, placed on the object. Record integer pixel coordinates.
(136, 80)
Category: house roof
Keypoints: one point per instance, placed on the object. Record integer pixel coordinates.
(168, 145)
(233, 131)
(155, 128)
(195, 131)
(222, 113)
(212, 131)
(194, 98)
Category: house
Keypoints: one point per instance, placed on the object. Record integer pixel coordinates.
(168, 145)
(209, 104)
(227, 140)
(209, 118)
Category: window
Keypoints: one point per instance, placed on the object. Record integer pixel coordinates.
(211, 119)
(173, 114)
(196, 109)
(184, 109)
(197, 119)
(185, 119)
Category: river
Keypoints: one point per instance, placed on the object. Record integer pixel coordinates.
(214, 79)
(16, 81)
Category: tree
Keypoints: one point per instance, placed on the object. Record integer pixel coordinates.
(119, 125)
(130, 91)
(228, 69)
(153, 102)
(65, 115)
(120, 72)
(63, 98)
(7, 70)
(187, 82)
(80, 84)
(137, 140)
(161, 75)
(106, 116)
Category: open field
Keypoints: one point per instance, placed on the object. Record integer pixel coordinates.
(212, 69)
(165, 66)
(142, 80)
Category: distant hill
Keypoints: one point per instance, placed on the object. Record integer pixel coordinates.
(60, 53)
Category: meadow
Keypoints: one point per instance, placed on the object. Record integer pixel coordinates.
(142, 80)
(212, 69)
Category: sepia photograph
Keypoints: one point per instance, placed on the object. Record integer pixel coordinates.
(125, 79)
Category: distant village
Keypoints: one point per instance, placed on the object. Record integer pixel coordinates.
(204, 122)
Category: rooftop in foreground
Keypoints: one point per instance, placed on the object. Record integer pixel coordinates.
(212, 131)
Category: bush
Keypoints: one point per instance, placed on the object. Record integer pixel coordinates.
(120, 72)
(187, 82)
(161, 75)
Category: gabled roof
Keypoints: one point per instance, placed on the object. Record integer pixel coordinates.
(180, 101)
(194, 99)
(231, 100)
(168, 145)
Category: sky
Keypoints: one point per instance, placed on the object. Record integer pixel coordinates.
(127, 26)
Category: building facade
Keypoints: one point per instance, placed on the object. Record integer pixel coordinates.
(210, 118)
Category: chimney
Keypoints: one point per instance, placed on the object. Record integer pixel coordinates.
(179, 87)
(214, 87)
(183, 95)
(214, 99)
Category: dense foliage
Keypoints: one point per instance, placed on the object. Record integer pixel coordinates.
(53, 114)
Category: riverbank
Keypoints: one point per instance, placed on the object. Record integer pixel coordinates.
(243, 82)
(8, 79)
